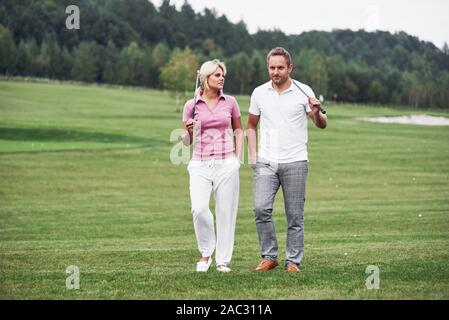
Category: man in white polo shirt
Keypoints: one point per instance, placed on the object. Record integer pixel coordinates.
(282, 106)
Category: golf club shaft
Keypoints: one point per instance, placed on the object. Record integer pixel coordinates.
(194, 93)
(318, 106)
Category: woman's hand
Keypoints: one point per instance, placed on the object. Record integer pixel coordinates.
(187, 134)
(190, 124)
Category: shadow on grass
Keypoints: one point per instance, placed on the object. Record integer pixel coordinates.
(68, 135)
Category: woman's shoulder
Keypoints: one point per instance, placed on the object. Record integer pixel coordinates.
(230, 98)
(189, 103)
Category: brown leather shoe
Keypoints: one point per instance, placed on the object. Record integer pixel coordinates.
(291, 267)
(267, 264)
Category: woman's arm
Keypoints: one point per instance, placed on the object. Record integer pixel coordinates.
(187, 132)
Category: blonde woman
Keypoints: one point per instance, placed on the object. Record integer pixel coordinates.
(212, 121)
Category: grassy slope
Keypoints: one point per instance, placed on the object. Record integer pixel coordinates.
(86, 180)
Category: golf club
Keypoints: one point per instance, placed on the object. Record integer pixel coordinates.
(194, 93)
(318, 106)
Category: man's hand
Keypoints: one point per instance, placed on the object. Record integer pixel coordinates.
(318, 118)
(251, 134)
(314, 105)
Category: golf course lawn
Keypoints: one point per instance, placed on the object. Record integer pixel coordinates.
(86, 180)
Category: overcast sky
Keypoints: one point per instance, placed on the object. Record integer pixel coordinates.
(426, 19)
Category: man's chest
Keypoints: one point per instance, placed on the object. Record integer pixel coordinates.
(282, 107)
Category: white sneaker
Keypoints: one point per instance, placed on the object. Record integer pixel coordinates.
(223, 268)
(203, 266)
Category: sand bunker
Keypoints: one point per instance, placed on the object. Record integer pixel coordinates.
(414, 119)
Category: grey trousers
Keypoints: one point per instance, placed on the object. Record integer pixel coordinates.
(267, 178)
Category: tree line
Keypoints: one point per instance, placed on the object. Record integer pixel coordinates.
(131, 42)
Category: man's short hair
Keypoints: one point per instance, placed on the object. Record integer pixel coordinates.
(279, 51)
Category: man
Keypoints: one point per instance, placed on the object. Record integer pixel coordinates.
(282, 158)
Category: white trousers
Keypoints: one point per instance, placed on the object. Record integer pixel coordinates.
(222, 177)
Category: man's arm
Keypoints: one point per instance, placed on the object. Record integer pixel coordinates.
(318, 118)
(251, 132)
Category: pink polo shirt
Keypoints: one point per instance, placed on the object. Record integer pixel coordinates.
(213, 133)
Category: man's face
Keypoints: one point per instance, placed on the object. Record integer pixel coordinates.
(279, 70)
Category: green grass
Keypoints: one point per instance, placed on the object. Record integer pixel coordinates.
(86, 180)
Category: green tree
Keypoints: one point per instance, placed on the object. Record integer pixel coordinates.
(259, 73)
(33, 50)
(178, 75)
(211, 50)
(187, 22)
(139, 14)
(43, 60)
(446, 49)
(165, 24)
(442, 93)
(50, 59)
(110, 71)
(310, 68)
(348, 91)
(160, 57)
(8, 51)
(269, 39)
(425, 74)
(24, 58)
(84, 64)
(67, 64)
(412, 89)
(239, 73)
(377, 92)
(131, 65)
(335, 69)
(343, 65)
(150, 71)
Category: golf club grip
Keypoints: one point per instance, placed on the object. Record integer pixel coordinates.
(321, 109)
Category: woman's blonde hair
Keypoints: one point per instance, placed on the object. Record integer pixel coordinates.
(207, 69)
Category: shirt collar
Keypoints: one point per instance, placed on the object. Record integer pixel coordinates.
(199, 97)
(270, 86)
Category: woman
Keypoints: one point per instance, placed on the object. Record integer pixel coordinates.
(212, 121)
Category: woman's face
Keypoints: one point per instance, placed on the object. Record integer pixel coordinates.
(216, 80)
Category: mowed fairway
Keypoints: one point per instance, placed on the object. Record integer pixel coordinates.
(86, 180)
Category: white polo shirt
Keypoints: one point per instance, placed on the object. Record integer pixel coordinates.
(283, 122)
